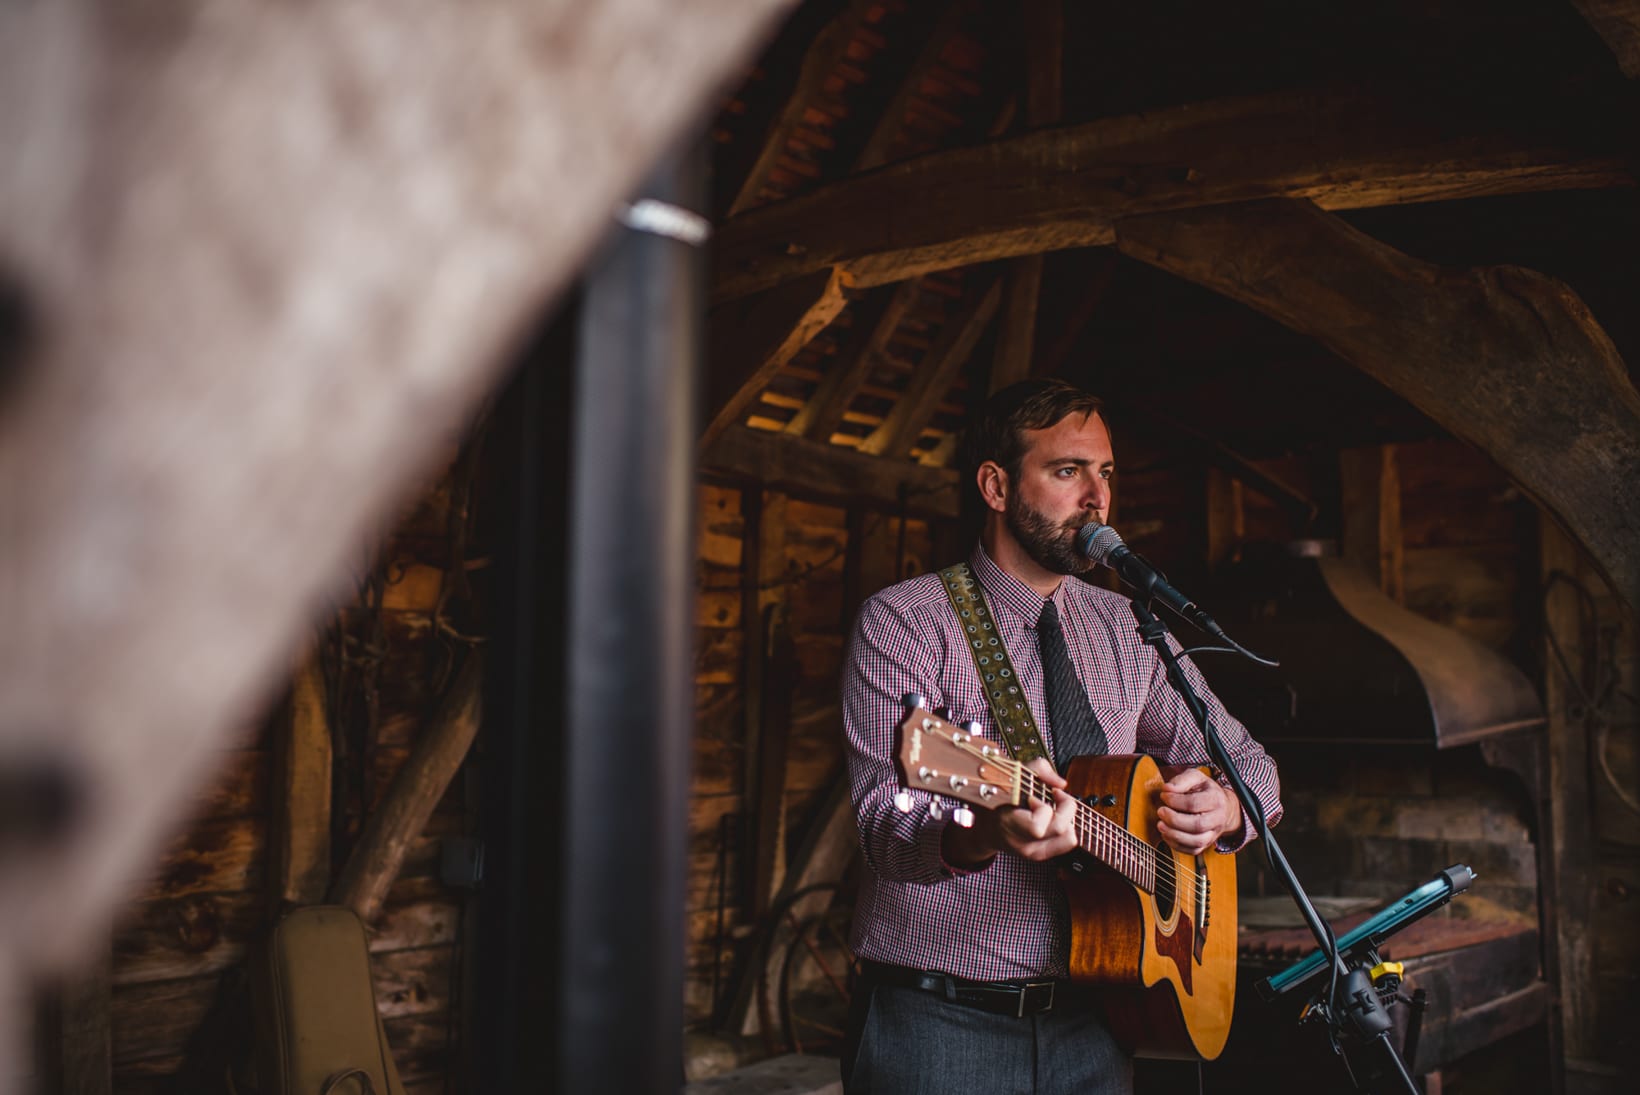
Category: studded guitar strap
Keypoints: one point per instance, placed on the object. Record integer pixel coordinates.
(1002, 690)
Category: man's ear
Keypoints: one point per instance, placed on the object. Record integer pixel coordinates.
(993, 485)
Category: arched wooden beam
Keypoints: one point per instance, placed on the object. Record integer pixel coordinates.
(1508, 359)
(1066, 187)
(1618, 24)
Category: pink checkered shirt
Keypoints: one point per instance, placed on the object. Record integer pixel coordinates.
(1010, 918)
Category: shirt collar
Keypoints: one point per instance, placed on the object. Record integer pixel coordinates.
(1007, 592)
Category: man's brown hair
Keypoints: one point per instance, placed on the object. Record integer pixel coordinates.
(998, 431)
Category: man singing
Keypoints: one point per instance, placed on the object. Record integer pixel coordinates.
(952, 921)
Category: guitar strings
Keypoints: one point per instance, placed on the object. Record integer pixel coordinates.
(1161, 867)
(1092, 825)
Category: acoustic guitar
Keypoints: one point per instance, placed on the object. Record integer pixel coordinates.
(1156, 931)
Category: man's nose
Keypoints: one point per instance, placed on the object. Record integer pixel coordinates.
(1097, 497)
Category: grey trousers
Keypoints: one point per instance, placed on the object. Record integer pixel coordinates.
(903, 1041)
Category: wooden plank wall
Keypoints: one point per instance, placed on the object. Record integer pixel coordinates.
(189, 929)
(815, 568)
(1592, 663)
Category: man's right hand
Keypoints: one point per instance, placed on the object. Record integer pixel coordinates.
(1039, 832)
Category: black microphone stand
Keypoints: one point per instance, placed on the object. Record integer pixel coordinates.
(1359, 1005)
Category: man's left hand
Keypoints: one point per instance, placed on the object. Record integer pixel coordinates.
(1196, 811)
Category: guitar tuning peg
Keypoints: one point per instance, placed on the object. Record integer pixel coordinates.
(913, 700)
(902, 802)
(934, 810)
(963, 816)
(973, 728)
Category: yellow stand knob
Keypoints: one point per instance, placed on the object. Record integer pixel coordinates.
(1382, 968)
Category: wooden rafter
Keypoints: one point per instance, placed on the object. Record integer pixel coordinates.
(1044, 26)
(1505, 358)
(822, 57)
(933, 378)
(749, 340)
(812, 468)
(301, 851)
(941, 455)
(892, 123)
(402, 814)
(820, 417)
(1067, 187)
(83, 1017)
(1016, 330)
(762, 100)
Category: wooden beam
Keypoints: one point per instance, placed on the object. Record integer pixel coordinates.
(822, 57)
(831, 472)
(769, 639)
(941, 455)
(302, 807)
(768, 681)
(82, 1010)
(1016, 331)
(763, 98)
(1505, 358)
(1618, 24)
(1067, 187)
(819, 418)
(933, 379)
(1569, 623)
(1369, 482)
(1044, 26)
(403, 812)
(222, 384)
(892, 123)
(749, 340)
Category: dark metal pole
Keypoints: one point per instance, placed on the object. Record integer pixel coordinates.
(523, 516)
(629, 700)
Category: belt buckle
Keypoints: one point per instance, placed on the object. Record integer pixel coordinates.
(1024, 994)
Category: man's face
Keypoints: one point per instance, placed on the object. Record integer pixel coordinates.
(1063, 483)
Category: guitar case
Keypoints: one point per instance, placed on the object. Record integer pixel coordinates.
(314, 1008)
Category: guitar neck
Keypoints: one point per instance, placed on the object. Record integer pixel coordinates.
(938, 757)
(1099, 836)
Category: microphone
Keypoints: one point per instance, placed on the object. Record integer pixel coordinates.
(1104, 546)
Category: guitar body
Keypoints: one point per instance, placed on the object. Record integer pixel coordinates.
(1153, 929)
(1166, 962)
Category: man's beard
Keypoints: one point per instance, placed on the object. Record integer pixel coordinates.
(1045, 540)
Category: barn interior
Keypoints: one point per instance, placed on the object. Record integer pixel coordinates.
(563, 729)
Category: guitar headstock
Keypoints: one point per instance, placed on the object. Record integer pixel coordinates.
(947, 760)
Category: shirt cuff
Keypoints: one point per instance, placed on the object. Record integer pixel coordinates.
(1235, 842)
(932, 839)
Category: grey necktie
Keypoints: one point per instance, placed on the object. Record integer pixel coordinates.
(1076, 730)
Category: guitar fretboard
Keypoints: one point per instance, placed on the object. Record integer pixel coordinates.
(1101, 837)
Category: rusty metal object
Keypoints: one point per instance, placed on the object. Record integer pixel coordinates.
(1357, 668)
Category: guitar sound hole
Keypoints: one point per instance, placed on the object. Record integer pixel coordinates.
(1166, 884)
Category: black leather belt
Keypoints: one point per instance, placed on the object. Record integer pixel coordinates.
(1016, 998)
